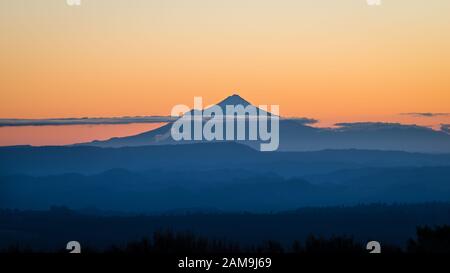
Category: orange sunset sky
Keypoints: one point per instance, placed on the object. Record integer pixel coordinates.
(325, 59)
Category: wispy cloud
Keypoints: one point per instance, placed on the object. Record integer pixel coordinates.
(84, 121)
(425, 114)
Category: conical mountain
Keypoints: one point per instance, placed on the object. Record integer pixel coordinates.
(295, 136)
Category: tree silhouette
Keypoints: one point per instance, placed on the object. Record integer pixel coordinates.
(431, 240)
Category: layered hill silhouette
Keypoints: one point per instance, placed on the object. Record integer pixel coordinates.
(232, 188)
(209, 176)
(298, 136)
(49, 160)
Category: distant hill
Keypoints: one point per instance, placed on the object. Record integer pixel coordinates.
(224, 190)
(203, 156)
(223, 176)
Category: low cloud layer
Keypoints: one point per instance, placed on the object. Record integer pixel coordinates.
(113, 120)
(303, 121)
(84, 121)
(376, 126)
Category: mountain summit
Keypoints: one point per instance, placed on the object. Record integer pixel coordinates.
(234, 100)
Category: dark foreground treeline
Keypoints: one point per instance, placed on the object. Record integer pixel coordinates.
(327, 229)
(428, 240)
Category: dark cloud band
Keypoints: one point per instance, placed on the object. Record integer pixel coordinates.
(84, 121)
(113, 120)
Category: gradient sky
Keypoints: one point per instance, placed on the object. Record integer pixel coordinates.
(319, 58)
